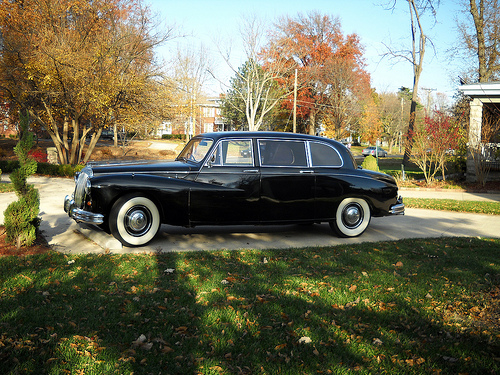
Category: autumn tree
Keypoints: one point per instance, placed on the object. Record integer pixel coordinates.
(433, 139)
(74, 63)
(370, 124)
(331, 77)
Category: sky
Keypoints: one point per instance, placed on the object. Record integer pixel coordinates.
(209, 20)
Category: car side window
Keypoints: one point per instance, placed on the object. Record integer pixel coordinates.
(323, 155)
(234, 153)
(282, 153)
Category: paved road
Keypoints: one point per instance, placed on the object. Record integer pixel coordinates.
(64, 235)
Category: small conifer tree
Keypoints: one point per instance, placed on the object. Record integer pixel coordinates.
(21, 217)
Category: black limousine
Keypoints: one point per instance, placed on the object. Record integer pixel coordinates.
(234, 178)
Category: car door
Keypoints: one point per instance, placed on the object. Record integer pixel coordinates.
(331, 182)
(228, 186)
(287, 181)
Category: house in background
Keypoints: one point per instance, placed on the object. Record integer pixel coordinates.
(481, 153)
(206, 118)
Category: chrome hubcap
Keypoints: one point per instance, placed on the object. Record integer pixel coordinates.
(138, 221)
(352, 216)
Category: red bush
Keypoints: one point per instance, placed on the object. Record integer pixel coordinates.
(38, 155)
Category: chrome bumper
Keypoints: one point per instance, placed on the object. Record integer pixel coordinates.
(398, 208)
(79, 215)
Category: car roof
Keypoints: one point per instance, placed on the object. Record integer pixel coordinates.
(264, 134)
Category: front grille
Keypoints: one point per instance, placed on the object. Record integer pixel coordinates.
(81, 184)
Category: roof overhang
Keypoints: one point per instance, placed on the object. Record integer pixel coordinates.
(489, 92)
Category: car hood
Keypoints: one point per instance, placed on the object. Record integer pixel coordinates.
(143, 167)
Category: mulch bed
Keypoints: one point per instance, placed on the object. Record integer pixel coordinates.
(7, 249)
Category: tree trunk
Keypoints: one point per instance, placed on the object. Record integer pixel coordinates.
(312, 121)
(417, 70)
(409, 140)
(478, 17)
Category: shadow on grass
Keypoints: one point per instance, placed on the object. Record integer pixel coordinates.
(400, 307)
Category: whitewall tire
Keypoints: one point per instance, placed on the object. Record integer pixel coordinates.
(352, 217)
(134, 220)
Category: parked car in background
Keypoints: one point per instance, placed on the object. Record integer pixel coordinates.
(235, 178)
(372, 150)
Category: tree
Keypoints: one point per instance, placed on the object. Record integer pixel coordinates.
(74, 64)
(254, 83)
(251, 97)
(330, 66)
(21, 216)
(480, 37)
(391, 108)
(189, 74)
(371, 126)
(433, 139)
(416, 57)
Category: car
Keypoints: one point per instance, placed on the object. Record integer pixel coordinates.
(371, 151)
(227, 178)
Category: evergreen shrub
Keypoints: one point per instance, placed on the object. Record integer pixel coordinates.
(21, 217)
(370, 163)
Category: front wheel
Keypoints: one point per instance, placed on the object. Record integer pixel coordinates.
(352, 217)
(134, 220)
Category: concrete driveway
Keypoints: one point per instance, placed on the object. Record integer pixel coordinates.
(64, 235)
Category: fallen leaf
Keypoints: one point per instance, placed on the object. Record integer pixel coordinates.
(140, 340)
(305, 340)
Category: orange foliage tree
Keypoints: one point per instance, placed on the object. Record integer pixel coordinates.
(332, 81)
(75, 64)
(370, 124)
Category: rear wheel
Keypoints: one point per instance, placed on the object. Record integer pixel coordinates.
(134, 220)
(352, 217)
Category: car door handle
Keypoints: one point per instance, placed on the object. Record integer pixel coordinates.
(307, 171)
(250, 171)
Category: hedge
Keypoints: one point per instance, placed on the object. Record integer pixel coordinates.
(60, 170)
(173, 136)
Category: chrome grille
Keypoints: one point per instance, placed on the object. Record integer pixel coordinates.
(81, 184)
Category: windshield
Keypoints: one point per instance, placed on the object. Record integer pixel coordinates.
(195, 150)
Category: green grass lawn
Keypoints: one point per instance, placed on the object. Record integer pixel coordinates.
(477, 207)
(408, 307)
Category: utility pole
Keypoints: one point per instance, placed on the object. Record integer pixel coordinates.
(427, 107)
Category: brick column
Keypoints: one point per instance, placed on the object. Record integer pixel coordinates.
(476, 117)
